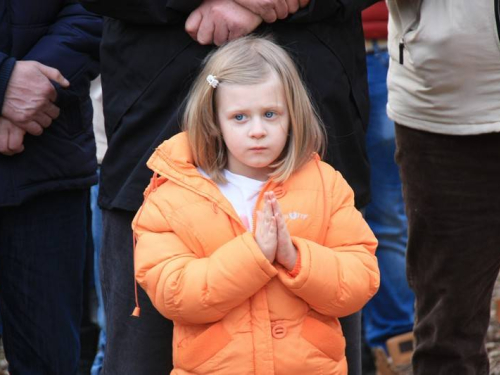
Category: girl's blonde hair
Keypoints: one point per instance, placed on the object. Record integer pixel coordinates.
(247, 61)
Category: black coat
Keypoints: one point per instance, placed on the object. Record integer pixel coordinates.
(149, 61)
(63, 35)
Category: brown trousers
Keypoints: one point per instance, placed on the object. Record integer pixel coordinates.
(451, 187)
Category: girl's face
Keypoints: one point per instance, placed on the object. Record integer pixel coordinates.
(254, 121)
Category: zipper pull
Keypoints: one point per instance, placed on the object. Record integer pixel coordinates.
(401, 52)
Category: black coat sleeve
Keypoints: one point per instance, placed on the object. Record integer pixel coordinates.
(71, 43)
(145, 12)
(165, 12)
(6, 66)
(322, 9)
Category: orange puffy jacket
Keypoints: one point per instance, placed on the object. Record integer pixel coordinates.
(233, 311)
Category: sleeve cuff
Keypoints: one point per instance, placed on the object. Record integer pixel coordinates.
(297, 267)
(296, 278)
(6, 67)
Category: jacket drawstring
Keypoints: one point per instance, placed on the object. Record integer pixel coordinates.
(152, 187)
(325, 211)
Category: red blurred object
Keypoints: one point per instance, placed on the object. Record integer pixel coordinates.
(375, 21)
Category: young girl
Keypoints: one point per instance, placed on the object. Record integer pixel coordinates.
(246, 240)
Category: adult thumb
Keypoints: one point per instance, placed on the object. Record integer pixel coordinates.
(193, 23)
(53, 74)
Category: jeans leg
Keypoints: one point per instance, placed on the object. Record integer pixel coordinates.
(391, 311)
(42, 258)
(97, 234)
(451, 190)
(133, 345)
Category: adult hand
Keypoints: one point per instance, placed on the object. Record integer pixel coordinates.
(11, 138)
(265, 231)
(29, 97)
(271, 10)
(286, 253)
(219, 21)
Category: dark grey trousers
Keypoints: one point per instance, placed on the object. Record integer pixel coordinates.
(135, 346)
(451, 187)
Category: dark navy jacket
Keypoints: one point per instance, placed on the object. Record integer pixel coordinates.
(63, 35)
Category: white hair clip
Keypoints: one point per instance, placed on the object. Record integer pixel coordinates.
(212, 81)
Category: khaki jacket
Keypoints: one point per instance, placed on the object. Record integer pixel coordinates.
(444, 74)
(233, 311)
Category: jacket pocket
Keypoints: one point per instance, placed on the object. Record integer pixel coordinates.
(202, 347)
(324, 338)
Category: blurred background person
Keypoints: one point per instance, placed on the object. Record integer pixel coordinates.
(49, 52)
(444, 95)
(390, 312)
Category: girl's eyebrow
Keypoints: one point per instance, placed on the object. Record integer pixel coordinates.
(235, 110)
(266, 107)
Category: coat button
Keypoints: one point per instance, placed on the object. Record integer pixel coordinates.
(279, 331)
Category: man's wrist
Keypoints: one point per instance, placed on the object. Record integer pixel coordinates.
(7, 64)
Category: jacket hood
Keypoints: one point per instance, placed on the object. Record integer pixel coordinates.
(174, 151)
(173, 160)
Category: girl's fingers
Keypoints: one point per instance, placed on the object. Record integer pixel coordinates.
(280, 223)
(258, 221)
(277, 212)
(267, 208)
(276, 206)
(273, 226)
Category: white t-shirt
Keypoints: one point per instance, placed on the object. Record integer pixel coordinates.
(242, 192)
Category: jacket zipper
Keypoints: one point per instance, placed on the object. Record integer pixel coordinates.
(407, 29)
(402, 49)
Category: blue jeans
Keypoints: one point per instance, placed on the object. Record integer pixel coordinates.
(97, 234)
(42, 258)
(391, 310)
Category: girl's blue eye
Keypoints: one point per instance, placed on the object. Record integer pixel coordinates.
(269, 114)
(239, 117)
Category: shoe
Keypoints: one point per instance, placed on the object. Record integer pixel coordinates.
(398, 360)
(4, 366)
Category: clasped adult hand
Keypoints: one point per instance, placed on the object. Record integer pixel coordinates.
(219, 21)
(271, 10)
(30, 96)
(11, 138)
(272, 236)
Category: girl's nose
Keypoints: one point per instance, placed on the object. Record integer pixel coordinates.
(257, 129)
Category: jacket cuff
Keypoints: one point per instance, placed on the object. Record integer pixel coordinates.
(296, 278)
(6, 67)
(298, 264)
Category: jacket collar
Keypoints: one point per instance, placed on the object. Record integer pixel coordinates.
(173, 160)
